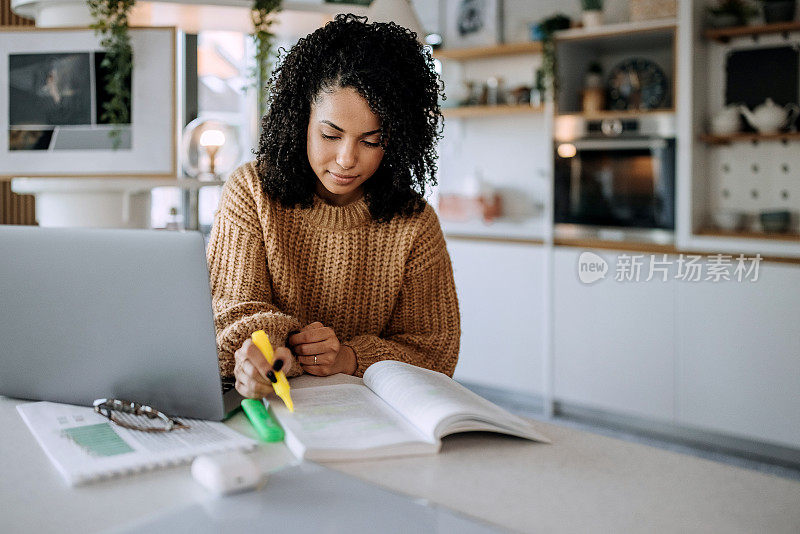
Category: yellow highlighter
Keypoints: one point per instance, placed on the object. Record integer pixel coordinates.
(281, 387)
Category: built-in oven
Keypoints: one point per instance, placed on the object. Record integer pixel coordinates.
(615, 178)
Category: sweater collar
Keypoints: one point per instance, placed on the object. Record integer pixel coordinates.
(334, 217)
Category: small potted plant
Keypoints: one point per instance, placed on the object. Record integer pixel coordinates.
(731, 13)
(592, 14)
(778, 10)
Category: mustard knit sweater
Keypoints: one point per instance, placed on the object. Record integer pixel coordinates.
(386, 289)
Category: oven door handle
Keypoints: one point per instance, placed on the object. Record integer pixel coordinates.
(618, 144)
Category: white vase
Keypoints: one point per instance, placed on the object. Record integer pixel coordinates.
(592, 18)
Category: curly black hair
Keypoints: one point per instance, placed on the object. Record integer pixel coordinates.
(394, 73)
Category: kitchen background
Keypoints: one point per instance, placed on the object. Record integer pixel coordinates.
(660, 147)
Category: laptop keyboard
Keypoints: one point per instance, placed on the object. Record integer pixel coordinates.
(228, 383)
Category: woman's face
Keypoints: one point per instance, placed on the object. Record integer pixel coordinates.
(343, 144)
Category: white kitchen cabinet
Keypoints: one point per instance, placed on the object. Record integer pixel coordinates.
(613, 342)
(739, 355)
(501, 298)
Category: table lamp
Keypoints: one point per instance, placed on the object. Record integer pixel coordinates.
(212, 141)
(401, 12)
(210, 148)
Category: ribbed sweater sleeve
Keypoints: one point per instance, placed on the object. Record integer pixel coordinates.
(239, 276)
(424, 328)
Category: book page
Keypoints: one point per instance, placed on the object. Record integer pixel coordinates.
(343, 417)
(437, 404)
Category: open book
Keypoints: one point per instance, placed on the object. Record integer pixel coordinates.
(401, 410)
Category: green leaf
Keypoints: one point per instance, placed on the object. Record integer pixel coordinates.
(111, 25)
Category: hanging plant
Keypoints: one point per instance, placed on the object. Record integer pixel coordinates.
(263, 18)
(548, 27)
(111, 23)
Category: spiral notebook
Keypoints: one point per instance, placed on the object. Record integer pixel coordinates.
(85, 446)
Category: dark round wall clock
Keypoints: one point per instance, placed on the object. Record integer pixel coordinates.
(637, 83)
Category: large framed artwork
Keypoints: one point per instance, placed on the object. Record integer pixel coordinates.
(471, 23)
(52, 90)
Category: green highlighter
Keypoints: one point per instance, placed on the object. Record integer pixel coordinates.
(265, 424)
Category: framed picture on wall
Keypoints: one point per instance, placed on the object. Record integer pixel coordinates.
(52, 91)
(470, 23)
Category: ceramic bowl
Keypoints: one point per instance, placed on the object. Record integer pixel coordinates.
(725, 126)
(729, 220)
(775, 221)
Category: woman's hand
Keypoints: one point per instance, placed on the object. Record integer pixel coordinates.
(319, 352)
(253, 372)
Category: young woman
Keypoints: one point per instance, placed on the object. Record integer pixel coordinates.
(325, 241)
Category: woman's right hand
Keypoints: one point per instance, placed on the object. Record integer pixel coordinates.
(252, 370)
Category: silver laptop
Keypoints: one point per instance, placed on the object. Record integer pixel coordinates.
(87, 314)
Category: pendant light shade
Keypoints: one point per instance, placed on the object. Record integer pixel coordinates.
(401, 12)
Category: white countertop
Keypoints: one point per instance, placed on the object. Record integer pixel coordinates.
(529, 229)
(32, 186)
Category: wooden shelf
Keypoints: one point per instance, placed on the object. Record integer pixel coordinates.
(605, 244)
(741, 234)
(326, 8)
(617, 114)
(616, 30)
(653, 248)
(511, 49)
(748, 137)
(723, 35)
(490, 111)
